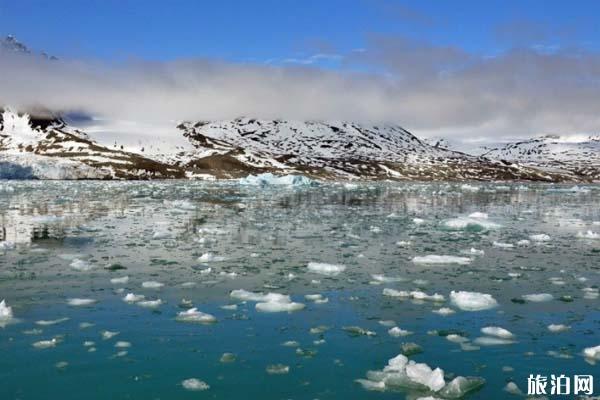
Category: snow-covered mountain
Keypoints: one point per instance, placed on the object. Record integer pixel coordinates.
(578, 156)
(47, 147)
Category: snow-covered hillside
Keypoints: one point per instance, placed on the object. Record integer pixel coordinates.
(576, 155)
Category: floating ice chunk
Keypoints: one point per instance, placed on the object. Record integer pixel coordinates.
(497, 331)
(77, 302)
(588, 235)
(472, 301)
(423, 374)
(503, 245)
(227, 358)
(470, 224)
(387, 279)
(316, 298)
(51, 322)
(398, 332)
(512, 388)
(230, 307)
(455, 338)
(81, 265)
(245, 295)
(592, 353)
(120, 281)
(591, 293)
(418, 295)
(478, 215)
(194, 385)
(6, 312)
(326, 269)
(122, 345)
(523, 243)
(106, 335)
(358, 331)
(436, 259)
(469, 188)
(150, 303)
(277, 369)
(540, 238)
(395, 293)
(556, 328)
(444, 311)
(89, 343)
(209, 257)
(269, 179)
(85, 325)
(180, 204)
(460, 386)
(418, 221)
(279, 306)
(45, 344)
(290, 343)
(538, 297)
(492, 341)
(133, 298)
(474, 252)
(403, 243)
(193, 315)
(152, 285)
(161, 234)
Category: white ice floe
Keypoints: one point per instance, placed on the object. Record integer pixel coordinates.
(538, 297)
(590, 293)
(556, 328)
(209, 257)
(497, 331)
(492, 341)
(398, 332)
(470, 224)
(400, 373)
(268, 179)
(6, 312)
(474, 252)
(316, 298)
(122, 345)
(437, 259)
(133, 298)
(444, 311)
(81, 265)
(415, 294)
(455, 338)
(194, 385)
(512, 388)
(523, 243)
(44, 322)
(150, 303)
(120, 281)
(542, 237)
(503, 245)
(78, 302)
(326, 269)
(387, 279)
(106, 335)
(469, 188)
(478, 215)
(195, 316)
(592, 353)
(45, 344)
(472, 301)
(588, 235)
(162, 234)
(418, 221)
(403, 243)
(277, 369)
(152, 285)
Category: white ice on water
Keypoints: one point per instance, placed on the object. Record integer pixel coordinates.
(209, 257)
(269, 302)
(195, 385)
(152, 285)
(269, 179)
(592, 353)
(81, 265)
(196, 316)
(542, 237)
(326, 269)
(472, 301)
(80, 302)
(6, 312)
(434, 259)
(556, 328)
(588, 235)
(498, 332)
(120, 281)
(538, 297)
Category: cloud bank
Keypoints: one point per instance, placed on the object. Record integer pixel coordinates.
(431, 90)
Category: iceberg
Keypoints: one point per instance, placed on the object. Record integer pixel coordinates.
(195, 316)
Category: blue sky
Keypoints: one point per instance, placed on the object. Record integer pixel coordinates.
(286, 30)
(464, 69)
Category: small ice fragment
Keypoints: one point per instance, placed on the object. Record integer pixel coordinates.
(358, 331)
(503, 245)
(209, 257)
(512, 388)
(444, 311)
(472, 301)
(279, 305)
(122, 345)
(152, 285)
(290, 343)
(423, 374)
(133, 298)
(120, 281)
(277, 369)
(497, 331)
(193, 315)
(45, 344)
(387, 279)
(478, 215)
(403, 243)
(326, 269)
(588, 235)
(194, 385)
(388, 323)
(437, 259)
(592, 353)
(540, 238)
(538, 297)
(418, 221)
(106, 335)
(556, 328)
(6, 312)
(398, 332)
(77, 302)
(227, 358)
(81, 265)
(51, 322)
(455, 338)
(474, 252)
(492, 341)
(150, 303)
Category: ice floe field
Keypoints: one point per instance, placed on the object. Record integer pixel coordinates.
(291, 289)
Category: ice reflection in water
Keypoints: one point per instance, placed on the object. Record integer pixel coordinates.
(185, 245)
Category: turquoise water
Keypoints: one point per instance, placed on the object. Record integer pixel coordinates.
(66, 240)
